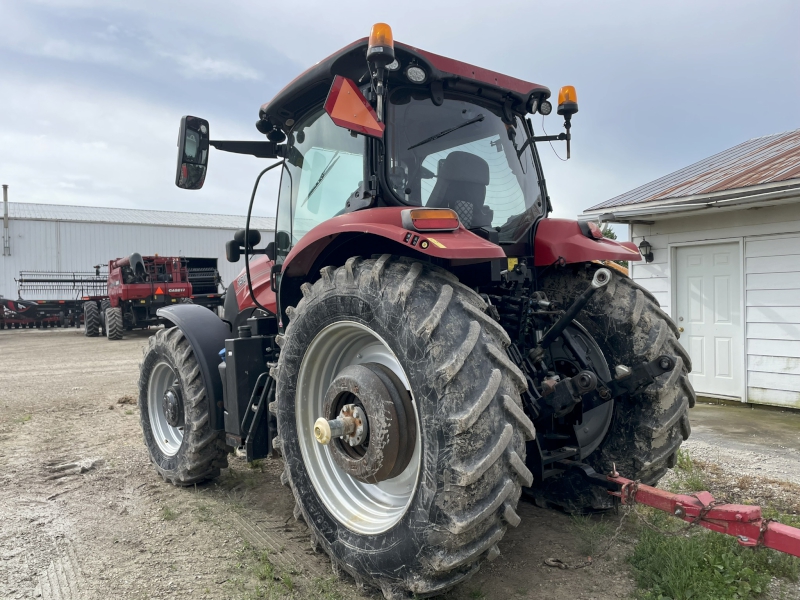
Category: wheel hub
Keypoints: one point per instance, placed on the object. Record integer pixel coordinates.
(172, 404)
(368, 423)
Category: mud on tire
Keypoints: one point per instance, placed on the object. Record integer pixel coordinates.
(643, 439)
(202, 452)
(472, 428)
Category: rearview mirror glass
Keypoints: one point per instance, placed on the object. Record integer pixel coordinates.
(192, 153)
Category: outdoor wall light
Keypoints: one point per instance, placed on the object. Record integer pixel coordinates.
(646, 250)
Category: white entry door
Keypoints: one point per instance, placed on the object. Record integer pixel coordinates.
(708, 309)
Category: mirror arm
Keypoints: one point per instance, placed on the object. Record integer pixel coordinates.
(258, 149)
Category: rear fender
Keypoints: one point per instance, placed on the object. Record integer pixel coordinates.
(376, 231)
(206, 334)
(563, 239)
(460, 247)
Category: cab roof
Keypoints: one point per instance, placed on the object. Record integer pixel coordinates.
(311, 87)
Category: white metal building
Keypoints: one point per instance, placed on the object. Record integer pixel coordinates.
(50, 237)
(725, 238)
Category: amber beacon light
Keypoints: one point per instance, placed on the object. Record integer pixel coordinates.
(381, 45)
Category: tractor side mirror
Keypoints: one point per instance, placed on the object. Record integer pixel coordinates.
(193, 138)
(232, 251)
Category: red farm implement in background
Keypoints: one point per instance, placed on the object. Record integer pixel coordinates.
(134, 287)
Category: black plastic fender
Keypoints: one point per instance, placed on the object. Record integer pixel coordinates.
(206, 333)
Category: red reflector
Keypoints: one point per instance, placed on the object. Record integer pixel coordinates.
(40, 302)
(61, 301)
(595, 231)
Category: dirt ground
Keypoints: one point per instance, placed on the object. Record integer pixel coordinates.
(83, 515)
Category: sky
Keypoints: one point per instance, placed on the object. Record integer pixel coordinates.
(92, 92)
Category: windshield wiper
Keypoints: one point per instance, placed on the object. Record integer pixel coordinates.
(446, 131)
(322, 175)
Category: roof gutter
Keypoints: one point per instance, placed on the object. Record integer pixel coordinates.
(637, 214)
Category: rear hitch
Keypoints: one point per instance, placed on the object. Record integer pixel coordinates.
(601, 279)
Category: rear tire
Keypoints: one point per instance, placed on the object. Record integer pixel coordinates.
(91, 319)
(629, 326)
(194, 452)
(115, 324)
(471, 428)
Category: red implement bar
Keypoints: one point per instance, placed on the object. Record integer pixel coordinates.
(743, 522)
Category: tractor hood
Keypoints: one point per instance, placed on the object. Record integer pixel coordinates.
(441, 73)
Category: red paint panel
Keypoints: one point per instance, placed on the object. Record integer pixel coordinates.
(260, 277)
(459, 244)
(468, 71)
(562, 238)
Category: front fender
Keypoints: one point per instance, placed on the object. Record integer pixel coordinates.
(563, 238)
(206, 334)
(461, 245)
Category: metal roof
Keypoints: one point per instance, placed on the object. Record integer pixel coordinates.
(764, 160)
(94, 214)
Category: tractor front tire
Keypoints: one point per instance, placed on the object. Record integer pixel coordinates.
(430, 527)
(642, 441)
(115, 323)
(91, 319)
(182, 445)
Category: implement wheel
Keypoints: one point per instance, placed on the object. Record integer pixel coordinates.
(627, 325)
(415, 501)
(115, 324)
(173, 409)
(91, 319)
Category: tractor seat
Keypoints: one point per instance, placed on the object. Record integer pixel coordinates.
(461, 185)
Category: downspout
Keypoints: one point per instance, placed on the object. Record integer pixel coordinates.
(6, 235)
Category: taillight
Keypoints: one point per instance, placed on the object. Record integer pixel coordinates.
(430, 219)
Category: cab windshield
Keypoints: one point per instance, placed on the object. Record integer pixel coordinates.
(461, 155)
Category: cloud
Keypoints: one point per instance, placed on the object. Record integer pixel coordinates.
(93, 91)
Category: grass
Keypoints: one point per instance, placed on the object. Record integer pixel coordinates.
(703, 564)
(168, 514)
(699, 563)
(128, 412)
(257, 464)
(592, 531)
(689, 477)
(25, 418)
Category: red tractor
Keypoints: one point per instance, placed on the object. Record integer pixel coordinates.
(421, 343)
(138, 286)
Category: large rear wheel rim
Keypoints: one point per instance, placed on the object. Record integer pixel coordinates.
(361, 507)
(168, 438)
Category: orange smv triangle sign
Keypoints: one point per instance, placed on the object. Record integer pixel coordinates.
(348, 108)
(159, 290)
